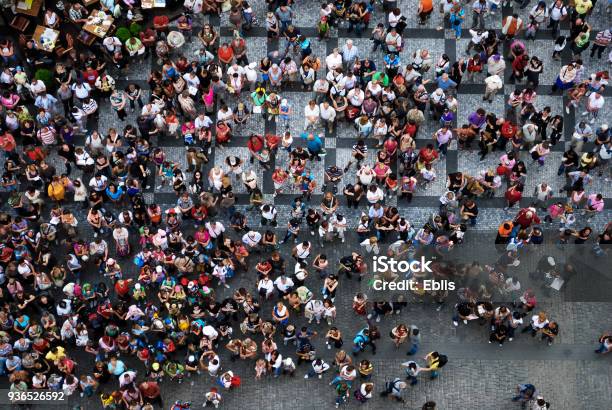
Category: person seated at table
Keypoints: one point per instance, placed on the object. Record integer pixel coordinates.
(110, 6)
(77, 13)
(33, 55)
(51, 19)
(7, 51)
(160, 24)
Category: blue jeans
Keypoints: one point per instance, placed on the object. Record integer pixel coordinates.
(413, 379)
(602, 348)
(434, 374)
(413, 349)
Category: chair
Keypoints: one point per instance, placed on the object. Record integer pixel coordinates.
(20, 23)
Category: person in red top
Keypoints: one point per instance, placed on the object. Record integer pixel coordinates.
(226, 55)
(8, 145)
(518, 67)
(428, 155)
(255, 145)
(527, 217)
(151, 393)
(272, 142)
(160, 24)
(90, 75)
(508, 131)
(513, 195)
(390, 147)
(122, 287)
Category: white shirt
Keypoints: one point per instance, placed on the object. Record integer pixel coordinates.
(375, 196)
(251, 238)
(311, 111)
(81, 91)
(356, 97)
(283, 286)
(327, 114)
(271, 214)
(202, 122)
(333, 61)
(494, 82)
(596, 101)
(302, 251)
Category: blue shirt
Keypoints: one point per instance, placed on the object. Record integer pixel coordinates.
(314, 145)
(445, 85)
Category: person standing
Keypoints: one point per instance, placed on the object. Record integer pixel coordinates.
(394, 389)
(435, 361)
(118, 100)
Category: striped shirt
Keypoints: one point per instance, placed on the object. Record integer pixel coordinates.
(46, 135)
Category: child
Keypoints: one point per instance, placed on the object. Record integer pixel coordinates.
(560, 44)
(260, 369)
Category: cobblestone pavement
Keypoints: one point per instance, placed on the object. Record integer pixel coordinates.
(479, 375)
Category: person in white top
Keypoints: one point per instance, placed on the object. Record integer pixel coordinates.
(265, 287)
(356, 96)
(538, 322)
(202, 120)
(328, 115)
(112, 44)
(493, 84)
(339, 224)
(314, 310)
(375, 194)
(594, 103)
(311, 115)
(301, 251)
(215, 230)
(318, 368)
(251, 239)
(365, 175)
(334, 60)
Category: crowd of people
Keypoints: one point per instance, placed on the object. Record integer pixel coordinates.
(68, 283)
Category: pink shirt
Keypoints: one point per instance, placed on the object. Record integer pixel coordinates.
(595, 204)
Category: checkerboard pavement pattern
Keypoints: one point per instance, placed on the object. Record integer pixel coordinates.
(479, 376)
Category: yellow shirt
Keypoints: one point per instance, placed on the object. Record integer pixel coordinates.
(583, 6)
(61, 353)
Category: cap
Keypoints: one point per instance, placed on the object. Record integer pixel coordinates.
(110, 261)
(551, 261)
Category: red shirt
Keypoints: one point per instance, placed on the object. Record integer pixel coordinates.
(7, 142)
(90, 76)
(524, 221)
(513, 195)
(508, 130)
(272, 141)
(122, 287)
(225, 54)
(428, 156)
(255, 143)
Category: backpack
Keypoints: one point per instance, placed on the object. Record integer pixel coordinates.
(442, 360)
(235, 381)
